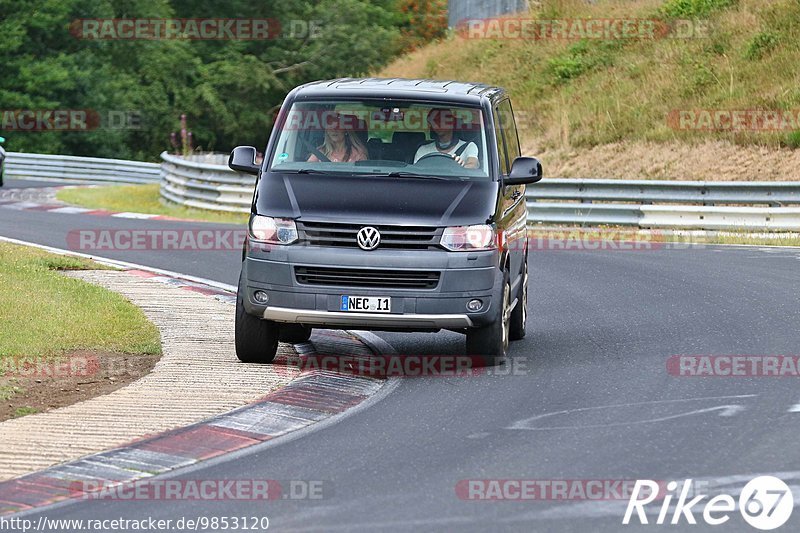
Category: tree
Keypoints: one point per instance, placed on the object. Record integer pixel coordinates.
(229, 89)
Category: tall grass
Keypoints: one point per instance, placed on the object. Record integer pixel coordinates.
(731, 54)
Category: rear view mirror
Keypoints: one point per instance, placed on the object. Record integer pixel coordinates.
(524, 170)
(243, 159)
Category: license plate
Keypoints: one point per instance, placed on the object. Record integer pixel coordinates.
(366, 304)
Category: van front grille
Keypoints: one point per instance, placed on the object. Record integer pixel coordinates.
(344, 235)
(360, 277)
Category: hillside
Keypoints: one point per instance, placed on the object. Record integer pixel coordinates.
(712, 93)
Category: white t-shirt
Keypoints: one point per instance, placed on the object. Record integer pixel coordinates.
(470, 151)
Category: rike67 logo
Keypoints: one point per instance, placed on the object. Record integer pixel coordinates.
(765, 503)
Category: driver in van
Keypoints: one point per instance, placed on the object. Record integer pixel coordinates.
(442, 123)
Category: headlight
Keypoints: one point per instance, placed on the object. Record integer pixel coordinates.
(273, 230)
(469, 238)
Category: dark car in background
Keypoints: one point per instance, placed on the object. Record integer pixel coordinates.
(387, 204)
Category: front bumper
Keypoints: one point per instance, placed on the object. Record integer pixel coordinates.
(463, 276)
(367, 320)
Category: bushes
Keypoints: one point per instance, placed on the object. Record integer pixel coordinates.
(582, 57)
(423, 21)
(793, 139)
(694, 8)
(761, 44)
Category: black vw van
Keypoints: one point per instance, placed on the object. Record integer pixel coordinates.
(387, 204)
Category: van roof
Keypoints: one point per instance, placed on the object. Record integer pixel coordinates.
(401, 87)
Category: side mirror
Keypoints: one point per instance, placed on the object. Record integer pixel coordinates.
(243, 159)
(2, 140)
(524, 170)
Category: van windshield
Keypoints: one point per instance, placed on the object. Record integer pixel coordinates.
(397, 138)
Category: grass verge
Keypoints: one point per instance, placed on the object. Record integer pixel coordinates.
(43, 313)
(47, 318)
(744, 238)
(140, 199)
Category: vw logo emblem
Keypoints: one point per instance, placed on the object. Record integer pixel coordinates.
(368, 238)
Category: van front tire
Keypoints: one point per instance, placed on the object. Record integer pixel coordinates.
(488, 345)
(256, 339)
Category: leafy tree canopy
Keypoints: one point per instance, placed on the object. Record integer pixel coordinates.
(229, 89)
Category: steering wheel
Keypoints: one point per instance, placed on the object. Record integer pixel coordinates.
(439, 157)
(322, 157)
(437, 154)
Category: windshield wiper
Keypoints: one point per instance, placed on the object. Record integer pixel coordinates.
(406, 174)
(394, 174)
(308, 171)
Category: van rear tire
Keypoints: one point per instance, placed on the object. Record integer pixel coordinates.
(519, 316)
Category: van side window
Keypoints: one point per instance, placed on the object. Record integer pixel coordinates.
(501, 143)
(509, 130)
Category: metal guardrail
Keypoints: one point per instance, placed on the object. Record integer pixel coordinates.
(642, 203)
(650, 191)
(196, 182)
(206, 182)
(651, 204)
(20, 165)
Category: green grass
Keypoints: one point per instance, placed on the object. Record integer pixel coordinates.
(754, 240)
(721, 54)
(8, 391)
(761, 44)
(793, 140)
(694, 8)
(25, 411)
(44, 313)
(141, 199)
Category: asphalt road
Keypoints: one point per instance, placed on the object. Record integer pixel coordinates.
(602, 326)
(54, 229)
